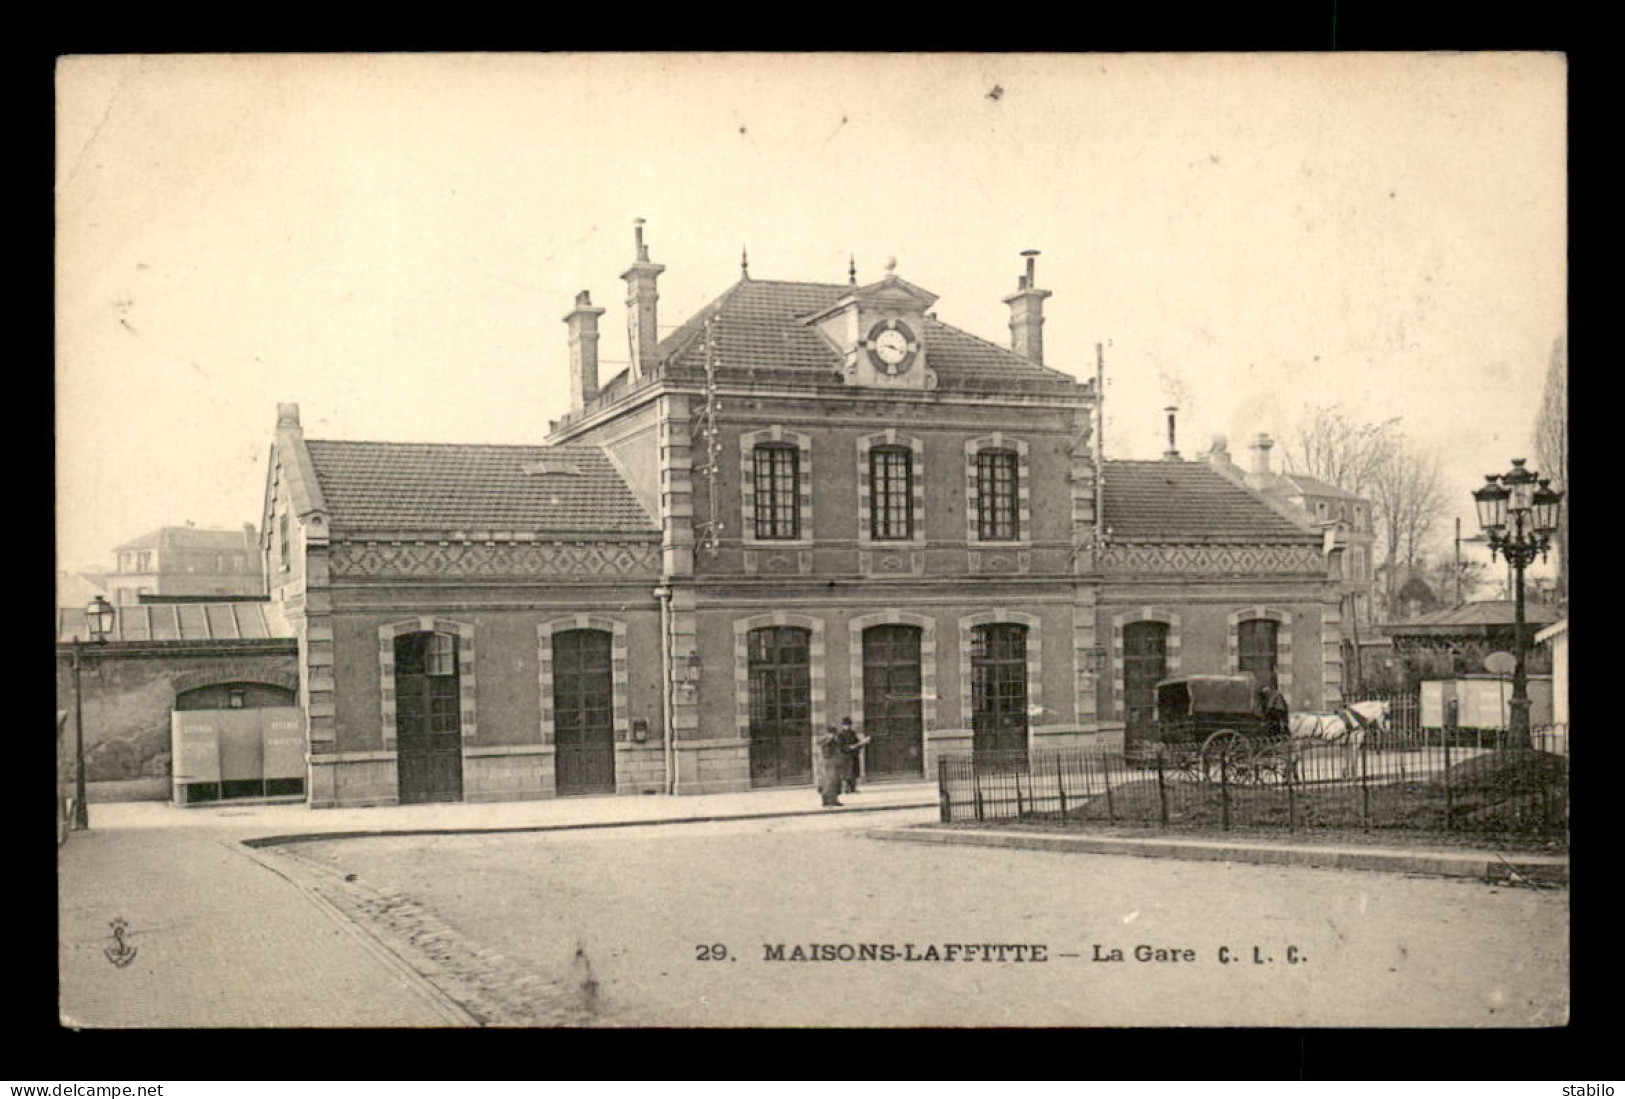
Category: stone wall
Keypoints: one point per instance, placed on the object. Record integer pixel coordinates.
(129, 691)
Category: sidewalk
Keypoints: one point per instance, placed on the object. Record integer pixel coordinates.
(269, 824)
(1454, 862)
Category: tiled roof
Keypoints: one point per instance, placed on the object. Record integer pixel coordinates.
(457, 487)
(189, 537)
(758, 329)
(182, 622)
(1489, 612)
(1164, 501)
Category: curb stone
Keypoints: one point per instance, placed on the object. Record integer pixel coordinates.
(1542, 869)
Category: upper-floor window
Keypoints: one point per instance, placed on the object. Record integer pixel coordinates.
(891, 493)
(776, 473)
(282, 539)
(996, 496)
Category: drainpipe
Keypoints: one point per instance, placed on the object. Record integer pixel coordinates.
(667, 686)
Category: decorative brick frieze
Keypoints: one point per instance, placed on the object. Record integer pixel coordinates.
(1283, 644)
(928, 658)
(815, 665)
(1035, 656)
(891, 562)
(1172, 655)
(1192, 558)
(445, 560)
(466, 665)
(618, 655)
(994, 561)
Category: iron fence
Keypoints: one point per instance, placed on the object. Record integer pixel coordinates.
(1437, 788)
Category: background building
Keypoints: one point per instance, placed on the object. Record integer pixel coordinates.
(186, 561)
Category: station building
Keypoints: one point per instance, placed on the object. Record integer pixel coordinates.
(808, 501)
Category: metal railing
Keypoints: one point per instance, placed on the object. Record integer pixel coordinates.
(1441, 788)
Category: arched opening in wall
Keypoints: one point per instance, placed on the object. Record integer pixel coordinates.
(236, 739)
(779, 665)
(428, 722)
(1145, 663)
(583, 712)
(893, 711)
(1258, 650)
(999, 689)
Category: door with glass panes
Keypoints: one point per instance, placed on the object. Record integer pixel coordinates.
(428, 727)
(892, 709)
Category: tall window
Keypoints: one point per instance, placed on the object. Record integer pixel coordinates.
(1256, 638)
(777, 491)
(891, 492)
(996, 495)
(282, 538)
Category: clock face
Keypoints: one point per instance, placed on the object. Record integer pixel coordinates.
(892, 346)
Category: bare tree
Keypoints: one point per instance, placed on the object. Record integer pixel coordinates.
(1552, 449)
(1408, 501)
(1329, 445)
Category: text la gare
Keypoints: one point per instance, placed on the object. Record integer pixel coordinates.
(1144, 952)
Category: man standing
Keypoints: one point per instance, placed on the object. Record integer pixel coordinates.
(851, 745)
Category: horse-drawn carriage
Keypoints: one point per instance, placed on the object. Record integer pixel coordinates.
(1223, 728)
(1216, 727)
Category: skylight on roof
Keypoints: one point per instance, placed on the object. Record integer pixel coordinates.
(565, 466)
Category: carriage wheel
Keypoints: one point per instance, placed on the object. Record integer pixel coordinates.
(1271, 763)
(1227, 755)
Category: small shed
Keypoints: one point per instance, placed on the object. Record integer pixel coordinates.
(1555, 640)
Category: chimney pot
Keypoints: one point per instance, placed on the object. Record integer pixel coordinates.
(1027, 314)
(643, 332)
(582, 324)
(1261, 454)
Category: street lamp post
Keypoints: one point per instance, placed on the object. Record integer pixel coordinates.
(1519, 520)
(99, 620)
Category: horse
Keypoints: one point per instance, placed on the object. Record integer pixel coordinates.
(1343, 729)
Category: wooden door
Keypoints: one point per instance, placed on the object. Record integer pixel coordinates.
(1145, 663)
(892, 708)
(999, 689)
(583, 712)
(428, 725)
(780, 686)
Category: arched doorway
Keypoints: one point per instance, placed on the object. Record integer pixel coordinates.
(999, 688)
(428, 723)
(1145, 663)
(780, 698)
(583, 712)
(892, 705)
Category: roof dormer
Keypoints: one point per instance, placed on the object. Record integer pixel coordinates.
(879, 331)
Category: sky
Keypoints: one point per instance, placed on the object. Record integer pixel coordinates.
(392, 241)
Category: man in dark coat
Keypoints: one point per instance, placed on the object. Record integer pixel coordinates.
(1275, 710)
(851, 745)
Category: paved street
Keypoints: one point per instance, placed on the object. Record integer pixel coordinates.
(628, 915)
(218, 941)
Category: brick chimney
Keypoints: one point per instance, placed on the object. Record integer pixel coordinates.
(1027, 314)
(1261, 455)
(642, 328)
(1172, 453)
(287, 416)
(583, 326)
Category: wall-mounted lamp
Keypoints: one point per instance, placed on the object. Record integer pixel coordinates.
(688, 673)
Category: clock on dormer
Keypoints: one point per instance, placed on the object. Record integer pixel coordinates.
(892, 346)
